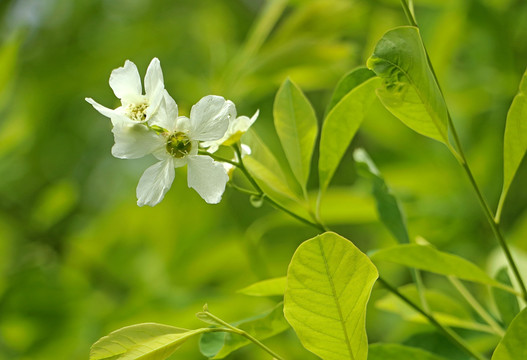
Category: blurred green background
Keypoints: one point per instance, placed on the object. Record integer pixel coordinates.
(79, 259)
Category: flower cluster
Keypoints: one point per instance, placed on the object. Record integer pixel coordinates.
(150, 124)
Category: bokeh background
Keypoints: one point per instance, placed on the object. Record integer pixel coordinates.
(79, 259)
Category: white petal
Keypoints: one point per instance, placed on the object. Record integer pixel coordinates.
(210, 118)
(183, 124)
(115, 115)
(155, 182)
(154, 78)
(102, 109)
(154, 103)
(207, 177)
(125, 80)
(167, 113)
(243, 123)
(133, 141)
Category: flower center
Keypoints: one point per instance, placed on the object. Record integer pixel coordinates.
(137, 112)
(179, 145)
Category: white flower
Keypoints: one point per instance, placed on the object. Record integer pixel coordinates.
(237, 127)
(174, 141)
(126, 84)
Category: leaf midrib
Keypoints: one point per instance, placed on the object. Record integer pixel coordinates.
(337, 303)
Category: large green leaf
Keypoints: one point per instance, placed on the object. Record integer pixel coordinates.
(427, 258)
(410, 91)
(269, 287)
(148, 341)
(388, 207)
(219, 345)
(296, 125)
(342, 123)
(399, 352)
(513, 345)
(515, 142)
(506, 302)
(329, 282)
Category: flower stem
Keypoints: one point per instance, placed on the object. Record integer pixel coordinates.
(253, 182)
(243, 190)
(449, 333)
(460, 156)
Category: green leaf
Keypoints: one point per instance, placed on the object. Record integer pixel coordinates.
(390, 212)
(329, 282)
(410, 91)
(211, 343)
(342, 123)
(269, 287)
(427, 258)
(296, 125)
(147, 341)
(512, 346)
(349, 82)
(265, 168)
(399, 352)
(263, 326)
(506, 303)
(515, 142)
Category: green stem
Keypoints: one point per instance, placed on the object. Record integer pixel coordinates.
(243, 190)
(460, 156)
(449, 333)
(253, 182)
(235, 330)
(476, 306)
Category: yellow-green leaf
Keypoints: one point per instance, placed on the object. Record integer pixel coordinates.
(341, 125)
(329, 282)
(410, 91)
(269, 287)
(296, 125)
(513, 345)
(515, 142)
(349, 82)
(265, 168)
(147, 341)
